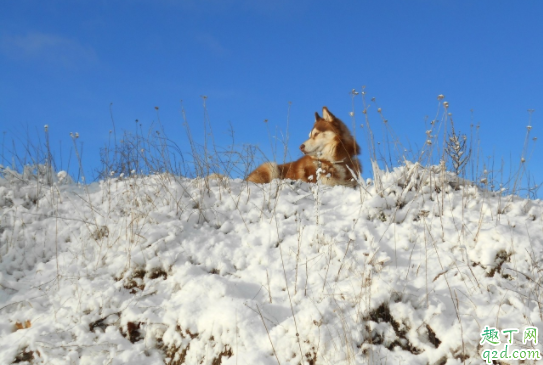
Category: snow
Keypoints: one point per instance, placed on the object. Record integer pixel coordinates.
(168, 270)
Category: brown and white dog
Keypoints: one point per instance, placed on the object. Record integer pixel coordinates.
(330, 149)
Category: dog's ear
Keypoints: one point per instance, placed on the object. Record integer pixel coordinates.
(329, 117)
(317, 116)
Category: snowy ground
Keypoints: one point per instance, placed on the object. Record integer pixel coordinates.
(408, 269)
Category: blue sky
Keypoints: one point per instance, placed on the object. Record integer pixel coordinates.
(63, 63)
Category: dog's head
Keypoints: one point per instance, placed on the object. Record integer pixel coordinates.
(330, 139)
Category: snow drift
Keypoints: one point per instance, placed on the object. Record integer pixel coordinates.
(160, 269)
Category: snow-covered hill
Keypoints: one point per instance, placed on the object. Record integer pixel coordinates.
(409, 269)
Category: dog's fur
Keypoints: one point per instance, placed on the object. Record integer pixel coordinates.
(330, 147)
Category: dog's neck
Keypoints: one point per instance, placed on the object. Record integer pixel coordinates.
(321, 160)
(328, 156)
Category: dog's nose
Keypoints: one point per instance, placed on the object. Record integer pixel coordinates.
(302, 147)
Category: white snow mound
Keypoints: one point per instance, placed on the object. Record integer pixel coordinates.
(167, 270)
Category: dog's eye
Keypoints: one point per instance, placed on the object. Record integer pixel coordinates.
(315, 134)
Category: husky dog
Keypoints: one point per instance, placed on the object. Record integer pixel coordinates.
(330, 150)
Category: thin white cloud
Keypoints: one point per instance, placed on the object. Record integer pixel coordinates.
(46, 47)
(212, 44)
